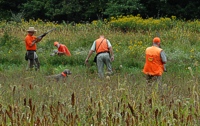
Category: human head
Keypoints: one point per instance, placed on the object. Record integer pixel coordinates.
(156, 40)
(101, 36)
(56, 43)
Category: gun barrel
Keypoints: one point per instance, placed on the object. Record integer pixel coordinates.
(46, 32)
(50, 30)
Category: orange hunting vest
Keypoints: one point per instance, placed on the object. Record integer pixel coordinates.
(103, 47)
(153, 64)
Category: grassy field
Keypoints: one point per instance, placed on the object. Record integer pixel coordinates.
(29, 98)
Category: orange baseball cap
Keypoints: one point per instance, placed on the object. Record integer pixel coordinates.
(56, 43)
(156, 40)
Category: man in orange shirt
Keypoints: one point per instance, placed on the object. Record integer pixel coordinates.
(31, 47)
(104, 53)
(155, 60)
(62, 49)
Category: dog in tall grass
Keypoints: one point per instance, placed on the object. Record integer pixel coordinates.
(60, 77)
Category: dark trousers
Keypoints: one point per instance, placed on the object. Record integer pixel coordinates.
(151, 80)
(33, 60)
(34, 63)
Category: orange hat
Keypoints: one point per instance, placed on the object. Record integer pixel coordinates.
(56, 43)
(156, 40)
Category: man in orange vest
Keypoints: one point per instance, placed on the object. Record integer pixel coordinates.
(62, 49)
(104, 53)
(30, 42)
(155, 60)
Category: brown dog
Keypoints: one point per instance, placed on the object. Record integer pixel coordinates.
(61, 76)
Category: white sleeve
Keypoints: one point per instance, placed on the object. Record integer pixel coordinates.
(93, 48)
(109, 44)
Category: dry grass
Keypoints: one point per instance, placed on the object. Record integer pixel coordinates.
(29, 99)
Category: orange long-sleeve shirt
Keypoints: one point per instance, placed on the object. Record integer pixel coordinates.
(28, 41)
(64, 49)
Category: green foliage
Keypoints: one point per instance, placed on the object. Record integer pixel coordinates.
(8, 8)
(79, 38)
(9, 41)
(83, 98)
(64, 60)
(10, 46)
(17, 17)
(120, 7)
(57, 60)
(87, 11)
(34, 8)
(135, 23)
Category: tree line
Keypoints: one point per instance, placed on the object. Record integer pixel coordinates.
(89, 10)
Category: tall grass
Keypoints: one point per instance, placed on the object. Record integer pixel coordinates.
(29, 98)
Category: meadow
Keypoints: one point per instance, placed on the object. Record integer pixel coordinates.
(28, 98)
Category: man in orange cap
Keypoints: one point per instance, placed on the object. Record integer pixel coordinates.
(62, 49)
(155, 60)
(30, 42)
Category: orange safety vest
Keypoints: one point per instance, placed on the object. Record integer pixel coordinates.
(103, 47)
(28, 41)
(153, 65)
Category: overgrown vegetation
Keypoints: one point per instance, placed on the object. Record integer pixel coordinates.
(87, 10)
(29, 98)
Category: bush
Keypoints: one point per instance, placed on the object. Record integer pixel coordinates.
(134, 23)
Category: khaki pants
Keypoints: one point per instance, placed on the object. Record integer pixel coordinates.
(103, 58)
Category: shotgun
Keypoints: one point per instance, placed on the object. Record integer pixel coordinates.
(42, 35)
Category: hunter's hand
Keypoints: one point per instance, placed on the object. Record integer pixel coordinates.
(33, 42)
(112, 58)
(86, 61)
(38, 39)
